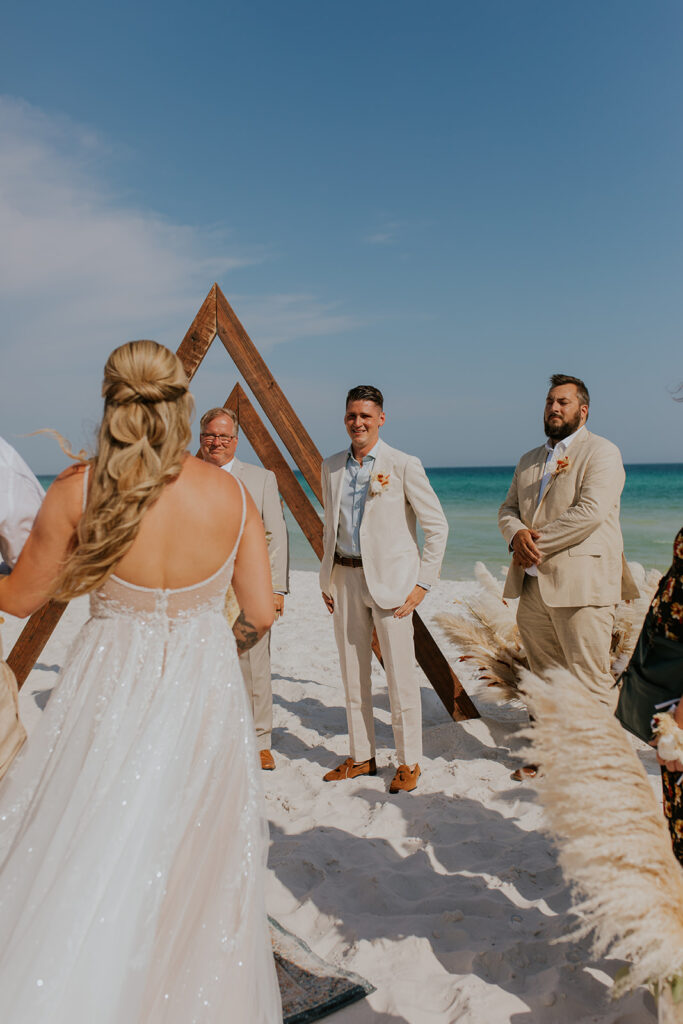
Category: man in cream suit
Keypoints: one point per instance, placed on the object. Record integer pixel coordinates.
(372, 575)
(218, 440)
(561, 521)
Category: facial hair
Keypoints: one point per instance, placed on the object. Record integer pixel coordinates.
(558, 431)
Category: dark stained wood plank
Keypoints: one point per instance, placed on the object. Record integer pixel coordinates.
(268, 392)
(199, 336)
(291, 490)
(431, 660)
(33, 638)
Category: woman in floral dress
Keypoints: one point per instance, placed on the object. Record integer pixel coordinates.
(665, 618)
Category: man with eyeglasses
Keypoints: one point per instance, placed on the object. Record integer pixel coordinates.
(218, 440)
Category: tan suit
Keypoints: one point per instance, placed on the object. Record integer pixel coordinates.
(566, 614)
(255, 663)
(368, 596)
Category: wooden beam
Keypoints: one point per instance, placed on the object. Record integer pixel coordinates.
(268, 452)
(249, 362)
(199, 336)
(453, 695)
(33, 638)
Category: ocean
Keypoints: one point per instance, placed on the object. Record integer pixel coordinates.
(651, 516)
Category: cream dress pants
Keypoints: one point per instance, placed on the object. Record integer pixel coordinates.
(255, 665)
(577, 639)
(355, 613)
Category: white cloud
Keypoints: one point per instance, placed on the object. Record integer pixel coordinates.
(82, 269)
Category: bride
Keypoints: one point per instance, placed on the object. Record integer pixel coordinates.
(132, 842)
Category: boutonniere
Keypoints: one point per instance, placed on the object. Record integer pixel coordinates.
(379, 482)
(561, 466)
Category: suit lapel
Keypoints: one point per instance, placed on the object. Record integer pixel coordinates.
(237, 468)
(537, 475)
(336, 482)
(382, 464)
(572, 452)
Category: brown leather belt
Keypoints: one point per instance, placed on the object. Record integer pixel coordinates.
(351, 563)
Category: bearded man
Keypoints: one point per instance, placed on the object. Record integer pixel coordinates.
(561, 522)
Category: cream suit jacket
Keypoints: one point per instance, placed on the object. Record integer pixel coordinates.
(262, 486)
(388, 534)
(578, 519)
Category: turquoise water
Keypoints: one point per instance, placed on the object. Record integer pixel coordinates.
(651, 515)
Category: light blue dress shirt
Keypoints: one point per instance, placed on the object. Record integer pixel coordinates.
(354, 492)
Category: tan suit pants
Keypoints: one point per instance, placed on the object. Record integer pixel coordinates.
(577, 639)
(255, 665)
(355, 613)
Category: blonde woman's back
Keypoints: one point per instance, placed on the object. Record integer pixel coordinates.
(188, 533)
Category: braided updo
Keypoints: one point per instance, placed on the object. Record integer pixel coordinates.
(143, 437)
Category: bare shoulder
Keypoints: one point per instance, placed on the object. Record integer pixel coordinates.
(214, 482)
(64, 496)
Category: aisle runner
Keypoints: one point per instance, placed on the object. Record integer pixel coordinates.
(310, 987)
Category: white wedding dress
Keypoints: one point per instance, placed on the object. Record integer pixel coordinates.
(132, 838)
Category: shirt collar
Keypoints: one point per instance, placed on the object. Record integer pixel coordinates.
(372, 454)
(561, 446)
(228, 466)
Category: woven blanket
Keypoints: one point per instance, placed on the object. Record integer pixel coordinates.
(310, 987)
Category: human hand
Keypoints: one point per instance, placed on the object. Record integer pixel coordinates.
(279, 604)
(525, 552)
(413, 599)
(671, 766)
(329, 603)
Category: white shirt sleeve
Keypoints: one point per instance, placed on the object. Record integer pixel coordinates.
(20, 498)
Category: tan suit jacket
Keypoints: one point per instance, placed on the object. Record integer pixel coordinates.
(262, 486)
(388, 534)
(578, 519)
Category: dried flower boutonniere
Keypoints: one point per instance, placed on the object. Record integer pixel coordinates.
(379, 482)
(561, 466)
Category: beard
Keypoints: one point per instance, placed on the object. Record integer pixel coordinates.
(559, 429)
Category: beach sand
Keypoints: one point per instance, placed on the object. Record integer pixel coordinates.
(448, 899)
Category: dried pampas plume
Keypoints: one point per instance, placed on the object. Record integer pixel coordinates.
(484, 628)
(614, 845)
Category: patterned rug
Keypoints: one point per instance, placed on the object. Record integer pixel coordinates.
(310, 987)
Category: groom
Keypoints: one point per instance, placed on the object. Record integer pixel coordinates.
(372, 574)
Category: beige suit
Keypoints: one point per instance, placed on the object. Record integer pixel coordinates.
(255, 663)
(566, 614)
(368, 596)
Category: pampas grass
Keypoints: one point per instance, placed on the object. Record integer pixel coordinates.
(614, 845)
(485, 629)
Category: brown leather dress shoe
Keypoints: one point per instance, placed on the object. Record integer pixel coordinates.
(527, 771)
(267, 760)
(405, 779)
(348, 769)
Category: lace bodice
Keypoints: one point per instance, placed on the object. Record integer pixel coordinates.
(117, 597)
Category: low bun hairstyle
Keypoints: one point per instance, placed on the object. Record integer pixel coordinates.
(144, 434)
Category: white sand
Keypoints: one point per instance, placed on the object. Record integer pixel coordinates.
(447, 899)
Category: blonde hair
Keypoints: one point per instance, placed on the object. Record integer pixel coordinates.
(143, 436)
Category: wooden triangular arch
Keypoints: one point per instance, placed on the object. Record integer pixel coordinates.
(216, 318)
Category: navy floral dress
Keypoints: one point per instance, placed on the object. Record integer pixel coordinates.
(665, 618)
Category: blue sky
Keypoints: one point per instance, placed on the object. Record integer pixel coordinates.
(449, 200)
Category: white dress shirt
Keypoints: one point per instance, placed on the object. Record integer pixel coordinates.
(20, 498)
(553, 454)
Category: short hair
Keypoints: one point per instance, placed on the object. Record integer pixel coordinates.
(365, 393)
(558, 379)
(218, 411)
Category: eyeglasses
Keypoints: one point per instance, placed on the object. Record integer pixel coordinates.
(223, 439)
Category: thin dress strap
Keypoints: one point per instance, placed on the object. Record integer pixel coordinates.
(244, 515)
(85, 486)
